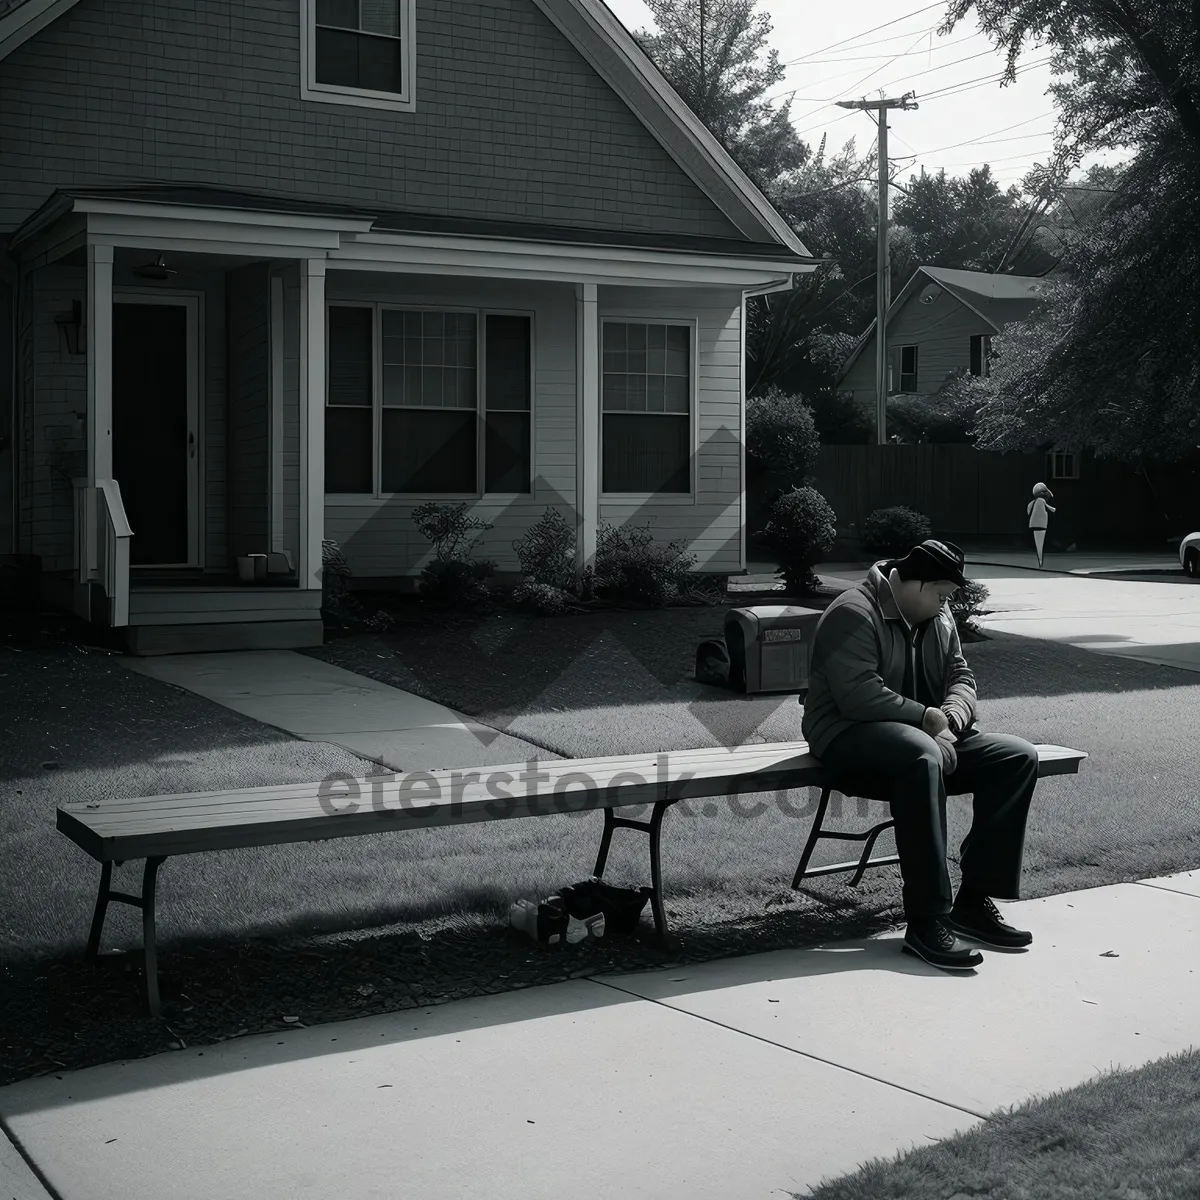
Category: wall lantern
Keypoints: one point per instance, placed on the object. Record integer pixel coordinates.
(71, 324)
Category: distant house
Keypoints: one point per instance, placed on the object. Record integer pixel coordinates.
(939, 325)
(283, 270)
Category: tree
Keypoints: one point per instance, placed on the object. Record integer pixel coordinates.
(1113, 362)
(968, 222)
(715, 55)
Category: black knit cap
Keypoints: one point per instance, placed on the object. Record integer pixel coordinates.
(932, 560)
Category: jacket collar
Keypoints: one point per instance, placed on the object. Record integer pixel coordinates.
(877, 587)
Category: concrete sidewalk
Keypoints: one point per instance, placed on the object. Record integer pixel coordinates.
(319, 702)
(749, 1077)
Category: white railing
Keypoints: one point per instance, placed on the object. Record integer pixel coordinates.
(103, 556)
(113, 549)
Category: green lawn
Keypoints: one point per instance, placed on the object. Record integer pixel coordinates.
(1129, 1135)
(624, 689)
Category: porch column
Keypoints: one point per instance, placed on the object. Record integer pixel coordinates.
(587, 455)
(99, 306)
(312, 420)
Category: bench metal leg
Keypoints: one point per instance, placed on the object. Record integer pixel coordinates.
(149, 940)
(814, 836)
(653, 828)
(858, 866)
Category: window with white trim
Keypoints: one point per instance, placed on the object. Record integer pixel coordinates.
(358, 52)
(646, 408)
(428, 402)
(1063, 464)
(908, 368)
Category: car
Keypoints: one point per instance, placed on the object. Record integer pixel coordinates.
(1189, 555)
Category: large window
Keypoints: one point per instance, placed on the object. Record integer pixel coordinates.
(908, 368)
(646, 408)
(453, 395)
(358, 52)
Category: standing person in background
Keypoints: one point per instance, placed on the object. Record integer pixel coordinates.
(1038, 520)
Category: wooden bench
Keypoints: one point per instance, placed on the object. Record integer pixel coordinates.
(154, 828)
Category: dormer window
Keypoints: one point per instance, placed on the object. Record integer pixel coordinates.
(358, 52)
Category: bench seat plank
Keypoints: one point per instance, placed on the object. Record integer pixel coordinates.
(120, 829)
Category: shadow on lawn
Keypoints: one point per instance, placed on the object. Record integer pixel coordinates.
(67, 1013)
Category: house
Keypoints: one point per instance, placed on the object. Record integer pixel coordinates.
(278, 271)
(939, 325)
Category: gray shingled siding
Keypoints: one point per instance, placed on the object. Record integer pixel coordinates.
(249, 341)
(53, 449)
(510, 121)
(8, 301)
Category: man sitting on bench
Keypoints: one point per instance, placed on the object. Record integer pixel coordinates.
(892, 700)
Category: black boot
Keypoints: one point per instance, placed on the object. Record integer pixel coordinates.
(933, 940)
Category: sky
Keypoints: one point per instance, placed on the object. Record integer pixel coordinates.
(843, 51)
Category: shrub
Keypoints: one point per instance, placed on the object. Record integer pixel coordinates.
(801, 531)
(453, 579)
(547, 552)
(455, 583)
(892, 532)
(634, 567)
(966, 604)
(449, 528)
(337, 601)
(781, 435)
(541, 598)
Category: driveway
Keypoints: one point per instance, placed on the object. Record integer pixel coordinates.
(1154, 622)
(1080, 601)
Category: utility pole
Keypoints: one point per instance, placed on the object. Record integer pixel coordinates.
(883, 268)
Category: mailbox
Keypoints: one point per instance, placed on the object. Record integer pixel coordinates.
(770, 647)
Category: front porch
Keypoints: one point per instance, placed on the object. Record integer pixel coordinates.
(180, 406)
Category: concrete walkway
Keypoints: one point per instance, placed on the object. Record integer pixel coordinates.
(319, 702)
(752, 1077)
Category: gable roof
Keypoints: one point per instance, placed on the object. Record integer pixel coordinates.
(995, 299)
(616, 56)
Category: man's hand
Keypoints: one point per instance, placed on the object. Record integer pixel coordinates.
(935, 723)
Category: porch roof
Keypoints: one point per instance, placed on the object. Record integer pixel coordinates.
(201, 219)
(200, 196)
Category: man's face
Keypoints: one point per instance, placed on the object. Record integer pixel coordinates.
(920, 600)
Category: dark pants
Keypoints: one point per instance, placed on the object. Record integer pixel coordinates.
(905, 766)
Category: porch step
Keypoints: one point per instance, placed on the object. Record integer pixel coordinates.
(162, 638)
(187, 604)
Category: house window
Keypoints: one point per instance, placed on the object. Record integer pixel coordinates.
(646, 409)
(981, 349)
(451, 402)
(358, 52)
(908, 368)
(1062, 464)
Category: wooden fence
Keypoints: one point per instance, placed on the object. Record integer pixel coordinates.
(979, 497)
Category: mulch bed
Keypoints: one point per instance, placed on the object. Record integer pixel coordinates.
(67, 1014)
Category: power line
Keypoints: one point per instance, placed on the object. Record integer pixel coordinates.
(1003, 129)
(969, 85)
(908, 78)
(810, 62)
(867, 32)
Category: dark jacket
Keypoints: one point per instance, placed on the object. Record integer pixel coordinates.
(858, 666)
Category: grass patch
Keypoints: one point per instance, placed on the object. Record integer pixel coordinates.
(1128, 1135)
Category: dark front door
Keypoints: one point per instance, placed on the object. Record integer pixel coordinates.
(150, 433)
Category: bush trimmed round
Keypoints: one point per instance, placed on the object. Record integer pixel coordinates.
(800, 533)
(892, 532)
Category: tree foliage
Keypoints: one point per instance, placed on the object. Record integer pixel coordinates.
(1112, 363)
(716, 56)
